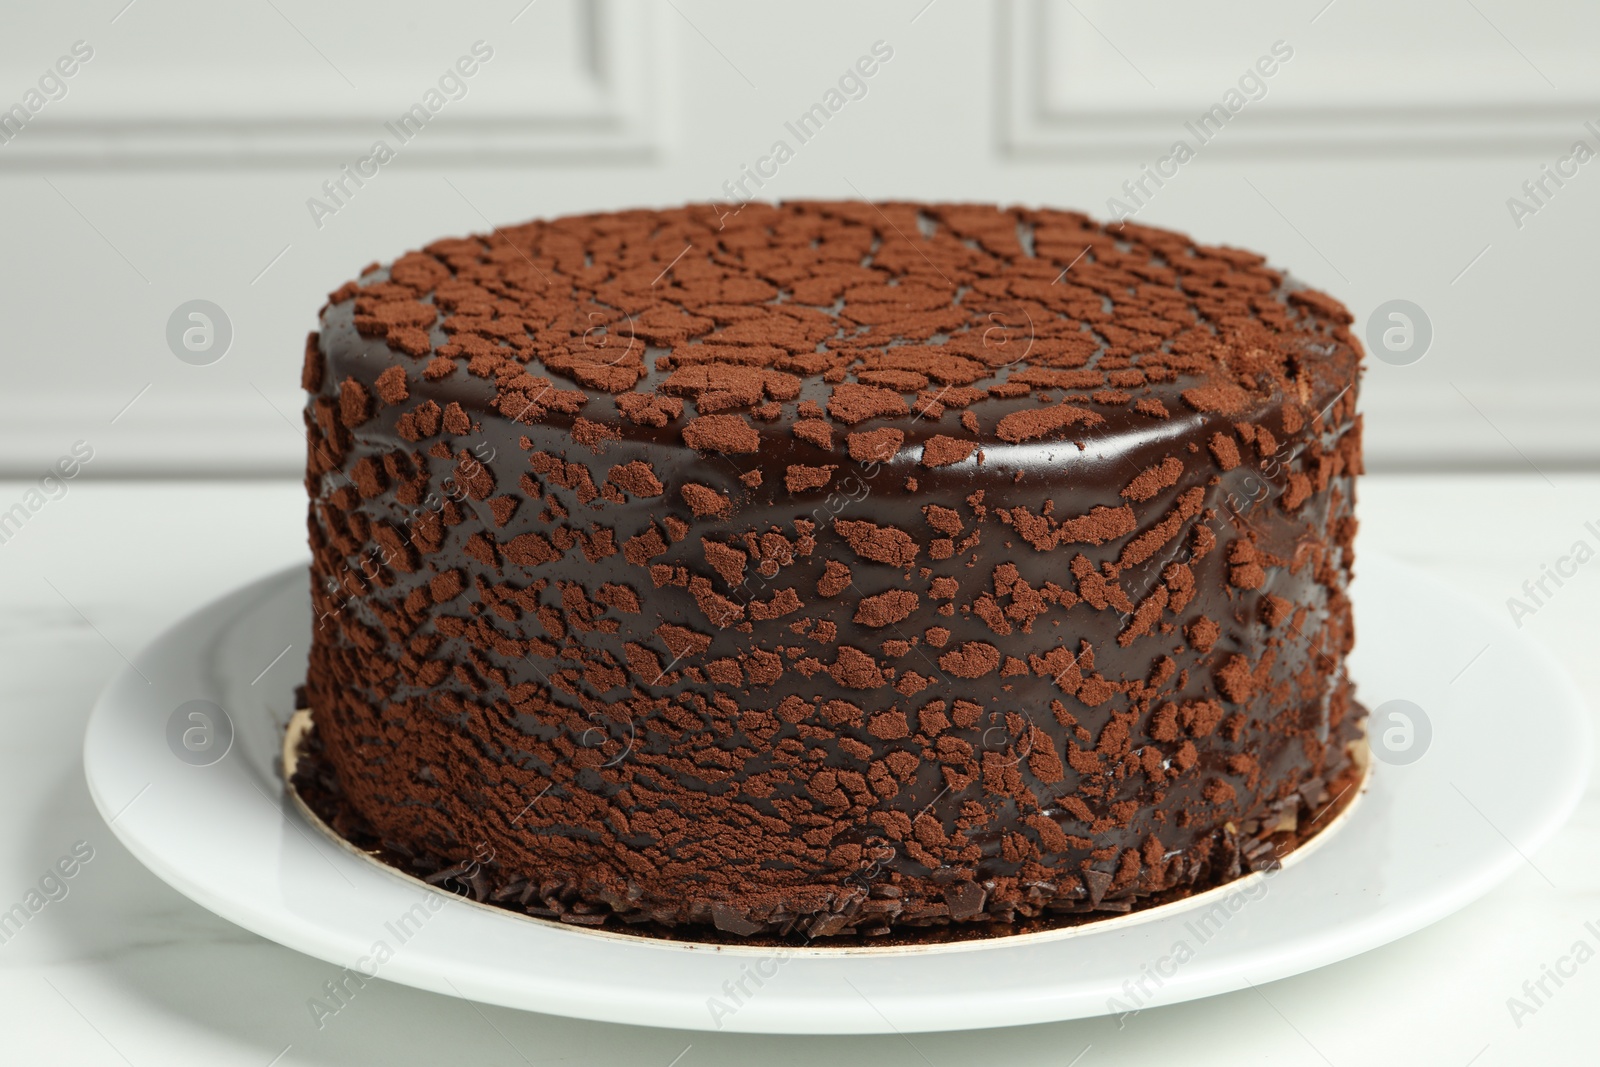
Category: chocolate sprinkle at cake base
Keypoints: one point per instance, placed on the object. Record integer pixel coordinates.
(830, 570)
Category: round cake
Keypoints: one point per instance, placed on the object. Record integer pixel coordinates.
(830, 569)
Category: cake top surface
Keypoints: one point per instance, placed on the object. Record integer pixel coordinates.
(854, 327)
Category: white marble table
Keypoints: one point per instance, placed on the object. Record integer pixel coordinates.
(124, 970)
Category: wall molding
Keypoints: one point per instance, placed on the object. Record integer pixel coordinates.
(608, 112)
(1032, 126)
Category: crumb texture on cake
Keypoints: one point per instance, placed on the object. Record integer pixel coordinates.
(829, 569)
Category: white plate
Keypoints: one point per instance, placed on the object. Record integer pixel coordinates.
(1506, 762)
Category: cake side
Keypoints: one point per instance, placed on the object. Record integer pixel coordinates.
(831, 568)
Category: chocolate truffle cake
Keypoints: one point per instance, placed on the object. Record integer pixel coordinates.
(829, 569)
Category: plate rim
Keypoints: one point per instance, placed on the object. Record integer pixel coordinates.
(811, 1014)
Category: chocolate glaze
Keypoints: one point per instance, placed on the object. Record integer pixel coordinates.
(506, 740)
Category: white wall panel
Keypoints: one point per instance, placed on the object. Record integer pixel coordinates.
(190, 83)
(1352, 76)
